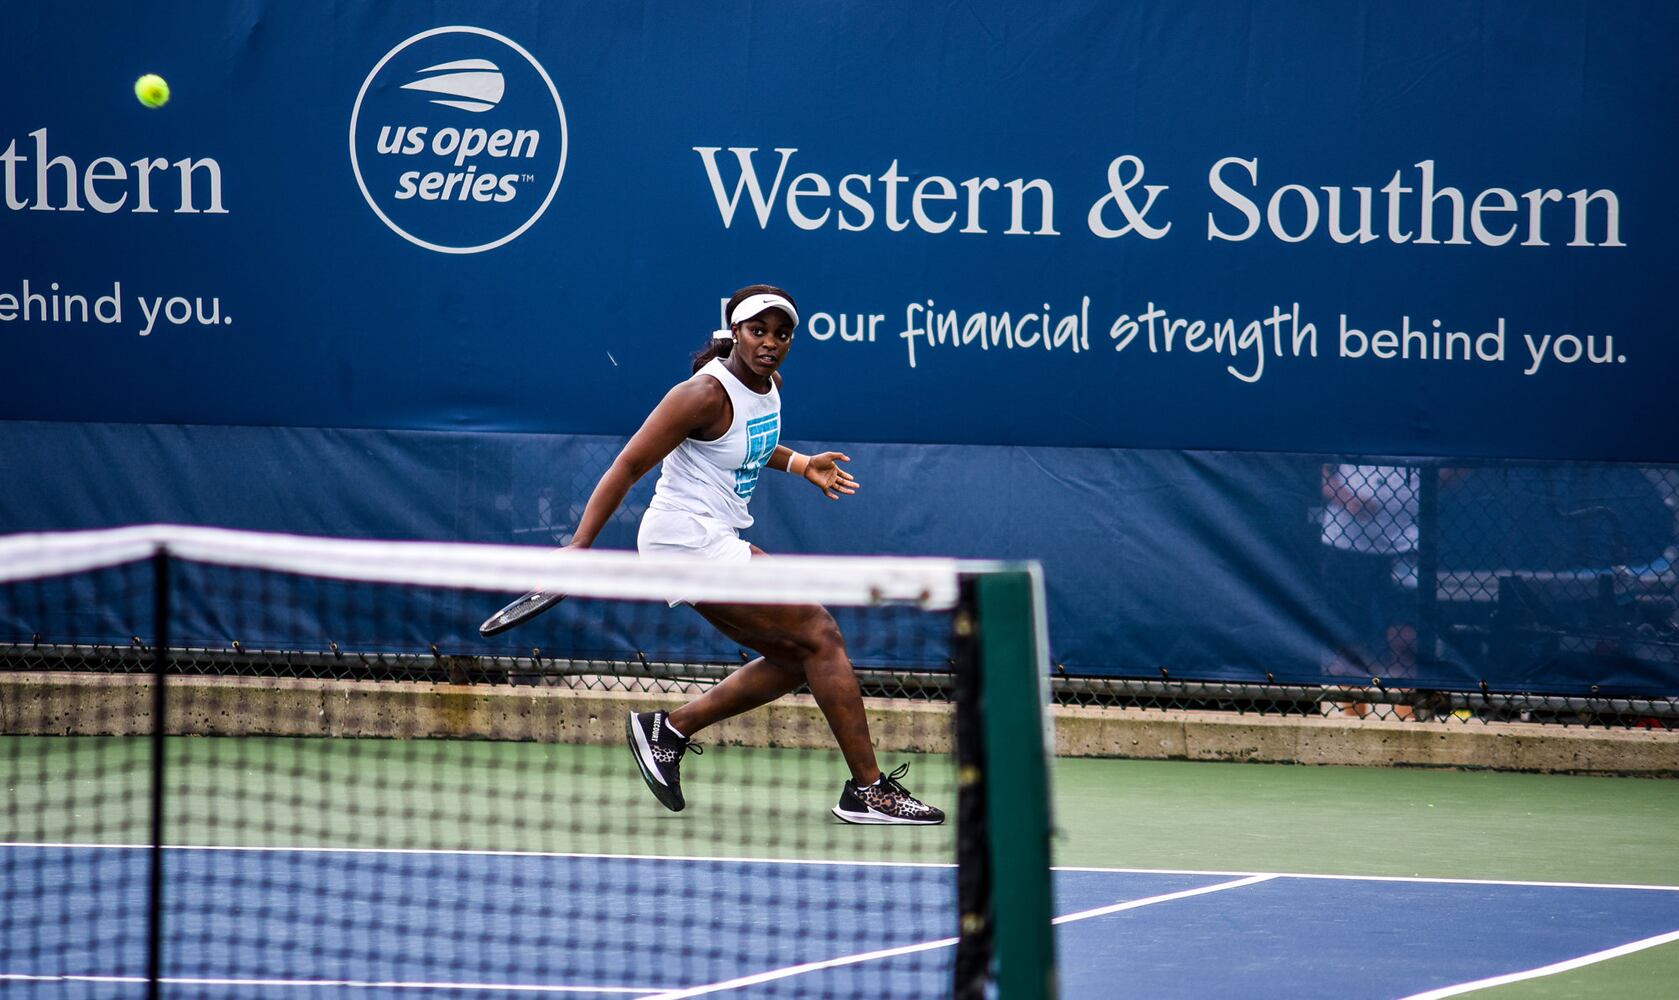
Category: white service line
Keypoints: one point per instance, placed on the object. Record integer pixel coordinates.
(1547, 970)
(1102, 911)
(335, 983)
(910, 949)
(1421, 879)
(799, 970)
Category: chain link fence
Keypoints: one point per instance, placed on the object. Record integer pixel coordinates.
(1457, 592)
(1545, 585)
(1372, 701)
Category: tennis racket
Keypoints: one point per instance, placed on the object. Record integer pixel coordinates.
(520, 611)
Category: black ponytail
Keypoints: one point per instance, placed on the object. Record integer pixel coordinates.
(716, 347)
(719, 347)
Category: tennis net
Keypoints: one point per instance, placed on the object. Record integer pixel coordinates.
(414, 810)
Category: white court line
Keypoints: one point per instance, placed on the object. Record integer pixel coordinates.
(336, 983)
(1427, 880)
(1242, 879)
(799, 970)
(910, 949)
(1102, 911)
(1422, 879)
(1548, 970)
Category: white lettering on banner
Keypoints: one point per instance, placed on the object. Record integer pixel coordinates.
(726, 204)
(808, 199)
(933, 330)
(47, 303)
(1255, 338)
(1568, 348)
(1250, 347)
(459, 146)
(1293, 211)
(1415, 208)
(851, 327)
(925, 322)
(417, 139)
(464, 145)
(1119, 197)
(107, 183)
(1432, 344)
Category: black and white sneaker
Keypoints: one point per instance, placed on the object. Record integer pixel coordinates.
(658, 753)
(886, 801)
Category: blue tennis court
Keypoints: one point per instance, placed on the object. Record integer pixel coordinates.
(327, 922)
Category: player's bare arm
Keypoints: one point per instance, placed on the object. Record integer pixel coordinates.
(820, 470)
(696, 408)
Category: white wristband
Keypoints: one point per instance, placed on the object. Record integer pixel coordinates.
(796, 463)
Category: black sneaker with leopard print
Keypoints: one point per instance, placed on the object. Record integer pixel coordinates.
(886, 801)
(658, 753)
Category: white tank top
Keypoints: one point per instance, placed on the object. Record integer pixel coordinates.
(716, 478)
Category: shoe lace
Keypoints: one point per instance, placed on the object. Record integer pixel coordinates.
(891, 782)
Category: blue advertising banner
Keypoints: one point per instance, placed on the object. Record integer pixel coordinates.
(1382, 227)
(1183, 255)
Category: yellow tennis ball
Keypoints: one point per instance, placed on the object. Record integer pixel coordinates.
(152, 91)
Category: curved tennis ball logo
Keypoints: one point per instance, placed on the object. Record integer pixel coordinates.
(458, 139)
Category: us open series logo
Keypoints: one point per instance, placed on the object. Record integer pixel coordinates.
(458, 139)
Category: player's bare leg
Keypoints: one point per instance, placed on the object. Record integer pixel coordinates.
(752, 685)
(801, 644)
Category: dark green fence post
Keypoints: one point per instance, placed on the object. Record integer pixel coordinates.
(1013, 679)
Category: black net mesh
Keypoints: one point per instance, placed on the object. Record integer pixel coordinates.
(357, 793)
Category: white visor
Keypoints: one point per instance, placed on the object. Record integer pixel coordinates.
(752, 305)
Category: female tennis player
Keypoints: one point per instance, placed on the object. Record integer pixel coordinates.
(715, 433)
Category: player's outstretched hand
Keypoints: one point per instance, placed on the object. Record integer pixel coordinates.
(824, 471)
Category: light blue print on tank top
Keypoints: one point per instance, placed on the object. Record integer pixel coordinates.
(762, 433)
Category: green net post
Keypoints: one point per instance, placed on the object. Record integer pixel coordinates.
(160, 728)
(1013, 672)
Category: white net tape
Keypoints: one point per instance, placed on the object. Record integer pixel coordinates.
(840, 581)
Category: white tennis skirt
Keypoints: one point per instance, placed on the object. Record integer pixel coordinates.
(679, 533)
